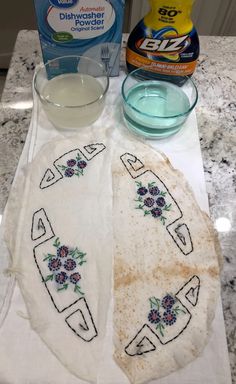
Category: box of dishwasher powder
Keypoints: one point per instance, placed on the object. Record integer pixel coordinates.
(91, 28)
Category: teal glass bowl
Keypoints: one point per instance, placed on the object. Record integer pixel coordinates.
(157, 107)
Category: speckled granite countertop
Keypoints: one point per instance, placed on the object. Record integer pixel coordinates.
(216, 113)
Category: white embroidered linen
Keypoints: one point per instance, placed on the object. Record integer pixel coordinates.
(80, 197)
(64, 275)
(166, 267)
(91, 215)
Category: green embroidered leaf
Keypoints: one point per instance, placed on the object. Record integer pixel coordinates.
(57, 243)
(71, 252)
(162, 193)
(177, 310)
(78, 157)
(154, 302)
(74, 252)
(167, 207)
(146, 213)
(139, 199)
(82, 262)
(77, 254)
(63, 167)
(48, 257)
(65, 286)
(77, 173)
(139, 184)
(82, 255)
(77, 289)
(160, 327)
(49, 277)
(163, 218)
(151, 184)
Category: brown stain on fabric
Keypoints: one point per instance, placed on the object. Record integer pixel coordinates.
(124, 275)
(184, 270)
(128, 279)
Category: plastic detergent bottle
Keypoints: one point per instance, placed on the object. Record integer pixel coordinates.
(165, 40)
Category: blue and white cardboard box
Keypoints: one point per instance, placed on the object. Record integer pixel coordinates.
(91, 28)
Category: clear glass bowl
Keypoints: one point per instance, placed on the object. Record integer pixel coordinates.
(72, 90)
(155, 107)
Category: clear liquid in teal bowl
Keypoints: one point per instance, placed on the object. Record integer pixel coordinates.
(155, 108)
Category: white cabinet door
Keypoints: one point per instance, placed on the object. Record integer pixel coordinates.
(211, 17)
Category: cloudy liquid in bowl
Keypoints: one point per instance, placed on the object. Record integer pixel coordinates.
(156, 108)
(72, 99)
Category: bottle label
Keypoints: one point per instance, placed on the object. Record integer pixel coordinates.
(167, 68)
(163, 51)
(171, 46)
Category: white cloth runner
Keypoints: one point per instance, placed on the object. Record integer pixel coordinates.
(23, 356)
(7, 280)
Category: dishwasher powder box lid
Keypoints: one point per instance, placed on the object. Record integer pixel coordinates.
(81, 27)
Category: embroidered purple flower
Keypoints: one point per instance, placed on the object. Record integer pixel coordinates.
(54, 264)
(154, 191)
(63, 266)
(149, 201)
(156, 212)
(164, 312)
(69, 172)
(70, 264)
(154, 316)
(71, 162)
(61, 277)
(169, 317)
(142, 191)
(160, 201)
(82, 164)
(62, 251)
(75, 277)
(167, 302)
